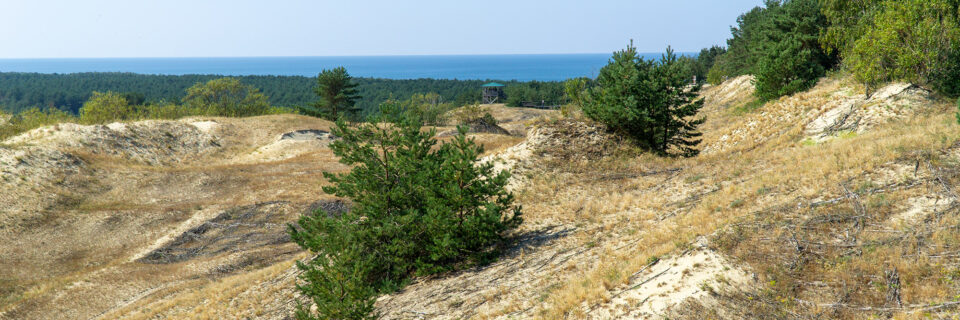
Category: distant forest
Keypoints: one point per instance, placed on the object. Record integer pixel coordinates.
(68, 92)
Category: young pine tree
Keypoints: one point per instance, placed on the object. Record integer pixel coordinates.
(651, 102)
(338, 95)
(418, 209)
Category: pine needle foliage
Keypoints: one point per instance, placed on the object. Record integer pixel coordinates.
(338, 95)
(418, 209)
(651, 102)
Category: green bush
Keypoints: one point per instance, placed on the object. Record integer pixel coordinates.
(907, 40)
(650, 102)
(539, 92)
(226, 97)
(31, 119)
(473, 113)
(103, 107)
(429, 108)
(165, 110)
(720, 71)
(705, 61)
(958, 111)
(575, 91)
(418, 209)
(946, 80)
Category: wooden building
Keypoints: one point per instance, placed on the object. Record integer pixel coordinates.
(493, 92)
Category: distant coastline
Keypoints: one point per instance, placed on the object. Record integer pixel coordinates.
(521, 67)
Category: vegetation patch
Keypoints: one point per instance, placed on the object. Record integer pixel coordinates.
(418, 209)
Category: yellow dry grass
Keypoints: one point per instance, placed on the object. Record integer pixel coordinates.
(770, 167)
(755, 194)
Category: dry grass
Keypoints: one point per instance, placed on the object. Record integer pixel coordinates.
(76, 253)
(593, 223)
(769, 168)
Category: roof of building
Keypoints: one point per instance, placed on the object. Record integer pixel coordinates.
(493, 84)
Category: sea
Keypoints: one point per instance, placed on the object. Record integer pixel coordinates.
(521, 67)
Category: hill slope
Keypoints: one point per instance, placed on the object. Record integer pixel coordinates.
(823, 204)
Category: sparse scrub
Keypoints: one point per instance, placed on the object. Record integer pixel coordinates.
(472, 113)
(429, 108)
(32, 119)
(418, 209)
(575, 90)
(221, 97)
(536, 92)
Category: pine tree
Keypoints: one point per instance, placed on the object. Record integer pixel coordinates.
(418, 209)
(791, 58)
(338, 95)
(651, 102)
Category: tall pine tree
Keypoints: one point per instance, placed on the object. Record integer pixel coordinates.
(338, 95)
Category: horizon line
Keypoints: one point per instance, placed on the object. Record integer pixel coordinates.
(327, 56)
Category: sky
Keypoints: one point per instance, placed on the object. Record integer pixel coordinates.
(248, 28)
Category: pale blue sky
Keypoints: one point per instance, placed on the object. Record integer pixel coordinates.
(230, 28)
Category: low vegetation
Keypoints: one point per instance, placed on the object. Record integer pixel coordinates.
(547, 93)
(429, 108)
(32, 118)
(226, 97)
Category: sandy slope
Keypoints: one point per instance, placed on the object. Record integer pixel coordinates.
(186, 219)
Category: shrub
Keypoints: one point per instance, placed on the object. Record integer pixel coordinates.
(429, 108)
(946, 80)
(473, 113)
(4, 116)
(165, 110)
(705, 61)
(103, 107)
(884, 40)
(31, 119)
(226, 97)
(538, 92)
(650, 102)
(958, 111)
(575, 90)
(418, 209)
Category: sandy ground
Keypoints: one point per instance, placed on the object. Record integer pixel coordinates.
(187, 219)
